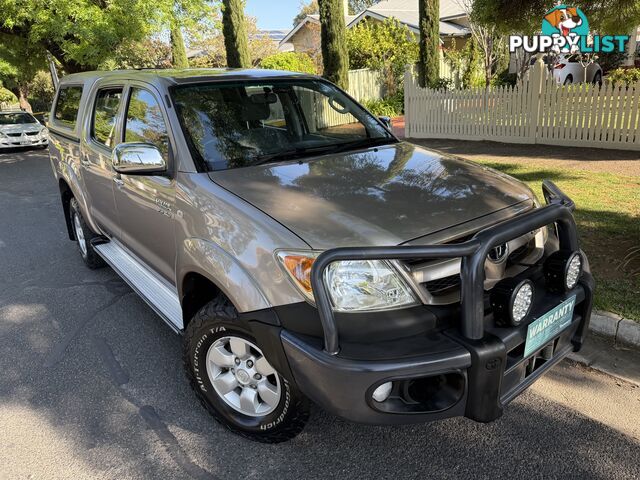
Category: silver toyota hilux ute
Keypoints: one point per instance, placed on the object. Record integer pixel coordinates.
(307, 254)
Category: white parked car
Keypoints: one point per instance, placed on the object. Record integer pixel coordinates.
(568, 69)
(21, 129)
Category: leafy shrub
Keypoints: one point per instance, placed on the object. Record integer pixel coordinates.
(290, 61)
(386, 47)
(504, 79)
(387, 107)
(624, 76)
(443, 84)
(7, 96)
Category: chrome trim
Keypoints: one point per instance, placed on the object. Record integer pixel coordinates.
(494, 271)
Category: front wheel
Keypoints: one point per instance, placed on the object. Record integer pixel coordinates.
(235, 382)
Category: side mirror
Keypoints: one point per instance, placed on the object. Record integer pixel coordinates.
(138, 159)
(386, 121)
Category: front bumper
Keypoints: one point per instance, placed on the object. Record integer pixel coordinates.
(25, 141)
(451, 375)
(473, 369)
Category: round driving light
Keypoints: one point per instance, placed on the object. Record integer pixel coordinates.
(574, 270)
(511, 301)
(562, 270)
(522, 301)
(381, 393)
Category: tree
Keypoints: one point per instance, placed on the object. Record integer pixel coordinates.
(209, 40)
(82, 34)
(387, 47)
(178, 52)
(310, 8)
(335, 57)
(489, 41)
(234, 29)
(357, 6)
(429, 60)
(19, 63)
(151, 52)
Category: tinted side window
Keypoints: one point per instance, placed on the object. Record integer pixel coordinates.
(67, 106)
(145, 122)
(103, 126)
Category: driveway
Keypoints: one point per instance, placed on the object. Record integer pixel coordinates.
(91, 387)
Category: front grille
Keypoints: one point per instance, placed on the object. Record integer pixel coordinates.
(31, 134)
(13, 134)
(521, 252)
(443, 286)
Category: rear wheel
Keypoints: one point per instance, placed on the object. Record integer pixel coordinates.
(568, 80)
(83, 236)
(597, 79)
(235, 382)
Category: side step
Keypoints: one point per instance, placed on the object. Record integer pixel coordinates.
(155, 291)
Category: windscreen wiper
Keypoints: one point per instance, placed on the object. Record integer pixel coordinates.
(363, 143)
(289, 154)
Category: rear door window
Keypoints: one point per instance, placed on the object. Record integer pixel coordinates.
(67, 106)
(105, 114)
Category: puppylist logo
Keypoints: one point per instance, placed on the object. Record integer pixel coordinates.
(566, 29)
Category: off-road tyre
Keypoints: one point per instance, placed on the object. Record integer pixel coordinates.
(219, 319)
(88, 253)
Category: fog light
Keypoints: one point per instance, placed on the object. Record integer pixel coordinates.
(511, 301)
(381, 393)
(562, 270)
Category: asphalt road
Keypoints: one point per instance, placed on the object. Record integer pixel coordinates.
(91, 386)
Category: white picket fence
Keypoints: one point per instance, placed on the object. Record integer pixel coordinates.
(537, 110)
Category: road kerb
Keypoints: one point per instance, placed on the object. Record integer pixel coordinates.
(623, 332)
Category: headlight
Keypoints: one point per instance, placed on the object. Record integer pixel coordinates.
(354, 286)
(2, 135)
(366, 285)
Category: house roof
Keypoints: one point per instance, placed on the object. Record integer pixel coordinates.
(406, 11)
(313, 18)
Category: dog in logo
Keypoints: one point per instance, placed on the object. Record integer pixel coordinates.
(564, 20)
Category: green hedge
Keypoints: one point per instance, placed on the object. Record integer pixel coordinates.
(624, 76)
(290, 61)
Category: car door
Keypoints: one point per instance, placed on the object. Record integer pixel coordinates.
(146, 203)
(97, 169)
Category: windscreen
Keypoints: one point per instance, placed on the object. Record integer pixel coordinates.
(16, 118)
(251, 123)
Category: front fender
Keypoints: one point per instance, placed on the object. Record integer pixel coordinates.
(209, 260)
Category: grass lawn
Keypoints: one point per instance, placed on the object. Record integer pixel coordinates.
(608, 218)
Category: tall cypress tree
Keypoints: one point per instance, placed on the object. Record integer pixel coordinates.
(178, 52)
(335, 56)
(429, 61)
(234, 29)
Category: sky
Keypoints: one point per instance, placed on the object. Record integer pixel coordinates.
(273, 14)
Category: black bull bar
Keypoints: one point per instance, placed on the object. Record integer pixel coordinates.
(473, 253)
